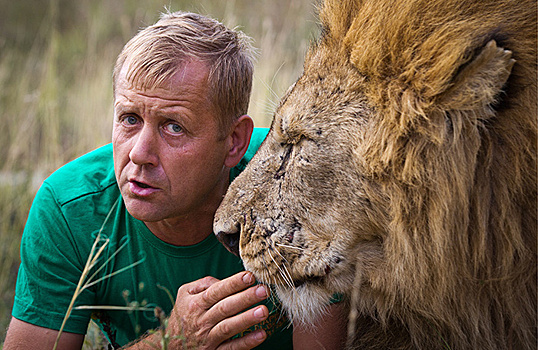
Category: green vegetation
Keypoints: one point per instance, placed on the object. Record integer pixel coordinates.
(56, 59)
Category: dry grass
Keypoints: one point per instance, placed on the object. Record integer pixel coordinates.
(56, 99)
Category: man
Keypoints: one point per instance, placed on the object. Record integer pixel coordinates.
(144, 206)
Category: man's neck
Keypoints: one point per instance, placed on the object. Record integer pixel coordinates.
(183, 231)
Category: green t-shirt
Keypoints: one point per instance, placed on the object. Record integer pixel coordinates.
(134, 269)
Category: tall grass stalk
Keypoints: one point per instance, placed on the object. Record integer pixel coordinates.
(82, 284)
(90, 263)
(86, 282)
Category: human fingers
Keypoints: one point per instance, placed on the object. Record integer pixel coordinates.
(231, 326)
(235, 303)
(200, 285)
(226, 287)
(187, 315)
(246, 342)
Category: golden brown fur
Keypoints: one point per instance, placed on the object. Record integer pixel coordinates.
(401, 170)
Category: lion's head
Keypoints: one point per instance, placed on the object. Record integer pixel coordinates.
(400, 170)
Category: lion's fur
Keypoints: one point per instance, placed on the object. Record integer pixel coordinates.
(430, 106)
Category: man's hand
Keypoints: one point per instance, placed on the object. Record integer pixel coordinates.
(208, 312)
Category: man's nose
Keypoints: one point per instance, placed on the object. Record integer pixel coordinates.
(144, 151)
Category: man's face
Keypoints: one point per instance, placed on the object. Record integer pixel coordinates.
(168, 159)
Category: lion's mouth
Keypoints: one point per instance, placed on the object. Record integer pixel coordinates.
(230, 235)
(309, 280)
(317, 280)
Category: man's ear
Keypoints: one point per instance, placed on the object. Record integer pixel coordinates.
(238, 140)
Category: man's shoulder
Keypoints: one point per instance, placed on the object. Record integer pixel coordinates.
(91, 173)
(258, 135)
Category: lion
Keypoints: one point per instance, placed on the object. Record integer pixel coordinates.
(400, 171)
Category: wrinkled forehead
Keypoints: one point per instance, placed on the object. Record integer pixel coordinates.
(184, 74)
(145, 74)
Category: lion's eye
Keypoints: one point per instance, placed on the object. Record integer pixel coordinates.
(285, 159)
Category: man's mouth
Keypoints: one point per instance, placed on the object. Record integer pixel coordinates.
(141, 189)
(141, 184)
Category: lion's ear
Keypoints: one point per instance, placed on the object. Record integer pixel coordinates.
(479, 82)
(414, 122)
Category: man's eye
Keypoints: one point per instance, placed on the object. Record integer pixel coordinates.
(130, 120)
(173, 128)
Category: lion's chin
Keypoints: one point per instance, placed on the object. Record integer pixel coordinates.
(304, 304)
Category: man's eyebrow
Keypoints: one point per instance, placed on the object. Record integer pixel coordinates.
(125, 106)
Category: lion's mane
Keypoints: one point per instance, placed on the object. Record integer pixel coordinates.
(461, 256)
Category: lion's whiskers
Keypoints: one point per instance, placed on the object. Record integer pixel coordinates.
(289, 246)
(285, 268)
(283, 271)
(271, 280)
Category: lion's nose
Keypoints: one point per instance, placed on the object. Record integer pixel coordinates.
(230, 241)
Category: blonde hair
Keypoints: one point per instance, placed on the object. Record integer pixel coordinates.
(156, 52)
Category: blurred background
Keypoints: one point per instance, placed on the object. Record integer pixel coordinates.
(56, 59)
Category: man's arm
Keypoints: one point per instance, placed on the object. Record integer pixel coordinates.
(206, 315)
(328, 333)
(22, 335)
